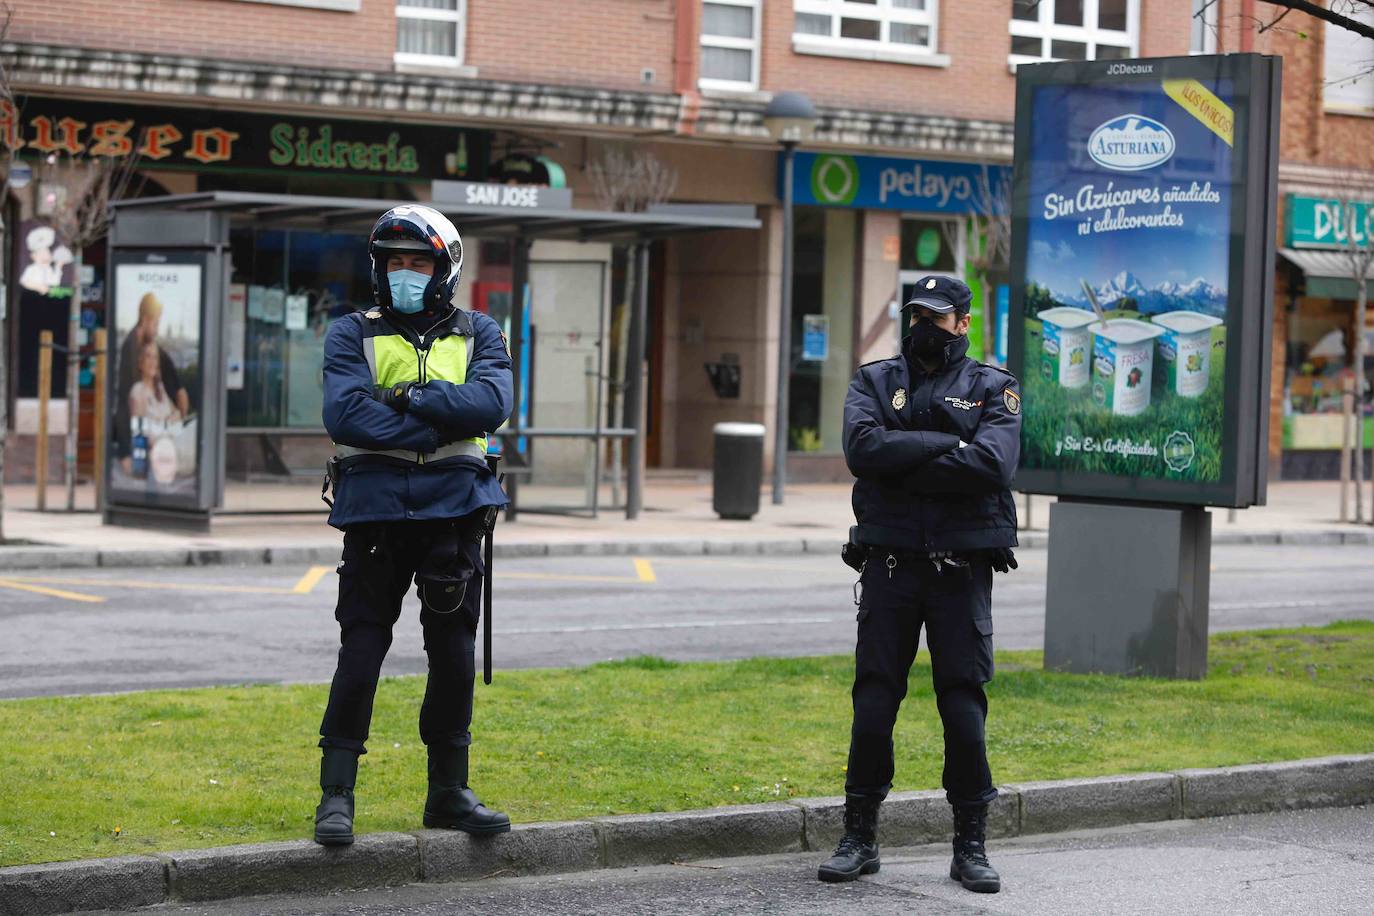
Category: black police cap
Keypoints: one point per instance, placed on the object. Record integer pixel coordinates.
(942, 294)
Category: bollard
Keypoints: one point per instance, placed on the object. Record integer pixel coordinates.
(40, 459)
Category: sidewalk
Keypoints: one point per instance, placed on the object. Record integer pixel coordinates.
(285, 523)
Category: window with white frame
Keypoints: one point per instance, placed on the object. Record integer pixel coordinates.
(1348, 84)
(865, 28)
(1203, 38)
(430, 32)
(1074, 30)
(730, 44)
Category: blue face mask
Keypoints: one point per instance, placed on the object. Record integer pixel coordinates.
(407, 290)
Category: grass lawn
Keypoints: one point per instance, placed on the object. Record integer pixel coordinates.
(176, 769)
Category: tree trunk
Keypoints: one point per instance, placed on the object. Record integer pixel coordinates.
(73, 380)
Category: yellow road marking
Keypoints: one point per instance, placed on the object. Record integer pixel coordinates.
(645, 570)
(311, 578)
(156, 586)
(50, 592)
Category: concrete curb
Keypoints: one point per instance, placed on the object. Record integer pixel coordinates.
(814, 824)
(52, 557)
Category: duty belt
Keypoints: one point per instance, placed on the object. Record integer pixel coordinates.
(452, 450)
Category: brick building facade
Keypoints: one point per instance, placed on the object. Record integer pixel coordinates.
(927, 83)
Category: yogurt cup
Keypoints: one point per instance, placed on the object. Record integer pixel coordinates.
(1185, 350)
(1065, 345)
(1123, 364)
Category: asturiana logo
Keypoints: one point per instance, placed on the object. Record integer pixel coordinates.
(1131, 143)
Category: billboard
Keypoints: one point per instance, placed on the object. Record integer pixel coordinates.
(1142, 270)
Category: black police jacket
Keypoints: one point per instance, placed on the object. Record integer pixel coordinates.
(917, 488)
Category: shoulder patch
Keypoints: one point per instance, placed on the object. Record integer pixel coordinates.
(1012, 400)
(876, 362)
(373, 313)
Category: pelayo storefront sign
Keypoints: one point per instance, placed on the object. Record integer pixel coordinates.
(882, 183)
(1138, 310)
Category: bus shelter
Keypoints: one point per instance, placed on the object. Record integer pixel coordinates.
(178, 305)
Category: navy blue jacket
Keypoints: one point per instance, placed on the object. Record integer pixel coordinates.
(916, 488)
(376, 488)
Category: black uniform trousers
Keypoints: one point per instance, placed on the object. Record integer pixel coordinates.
(902, 592)
(380, 560)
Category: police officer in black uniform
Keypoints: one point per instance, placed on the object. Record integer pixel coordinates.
(932, 437)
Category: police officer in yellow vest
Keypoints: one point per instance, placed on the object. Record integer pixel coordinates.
(412, 388)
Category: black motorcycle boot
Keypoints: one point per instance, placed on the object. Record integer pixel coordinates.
(970, 866)
(451, 803)
(857, 853)
(334, 816)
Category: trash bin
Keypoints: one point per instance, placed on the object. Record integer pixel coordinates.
(738, 470)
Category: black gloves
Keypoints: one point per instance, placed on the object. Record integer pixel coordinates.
(397, 397)
(1002, 559)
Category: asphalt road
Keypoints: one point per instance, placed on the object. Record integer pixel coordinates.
(106, 630)
(1296, 862)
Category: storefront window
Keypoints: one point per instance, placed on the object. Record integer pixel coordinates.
(1321, 345)
(822, 328)
(287, 288)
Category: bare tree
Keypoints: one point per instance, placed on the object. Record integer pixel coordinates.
(627, 179)
(631, 180)
(78, 193)
(988, 231)
(1354, 203)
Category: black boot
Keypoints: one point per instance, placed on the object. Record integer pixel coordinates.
(857, 853)
(970, 866)
(334, 816)
(451, 803)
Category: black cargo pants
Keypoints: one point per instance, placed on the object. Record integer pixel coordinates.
(380, 560)
(900, 593)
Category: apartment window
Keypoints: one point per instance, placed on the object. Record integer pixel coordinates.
(1349, 73)
(430, 32)
(1204, 27)
(892, 30)
(1074, 30)
(730, 44)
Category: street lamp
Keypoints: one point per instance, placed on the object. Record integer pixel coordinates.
(791, 119)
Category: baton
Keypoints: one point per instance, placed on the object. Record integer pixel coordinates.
(492, 462)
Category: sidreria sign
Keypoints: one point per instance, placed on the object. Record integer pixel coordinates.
(1131, 143)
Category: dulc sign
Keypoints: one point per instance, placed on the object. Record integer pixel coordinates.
(1142, 247)
(1315, 222)
(204, 139)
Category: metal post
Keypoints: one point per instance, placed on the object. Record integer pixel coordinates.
(101, 411)
(1347, 442)
(73, 384)
(634, 377)
(40, 460)
(520, 278)
(784, 329)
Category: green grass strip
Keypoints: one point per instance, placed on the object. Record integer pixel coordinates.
(178, 769)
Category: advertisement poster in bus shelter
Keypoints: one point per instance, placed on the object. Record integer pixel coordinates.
(1142, 266)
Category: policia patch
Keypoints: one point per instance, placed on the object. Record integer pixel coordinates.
(1012, 400)
(899, 399)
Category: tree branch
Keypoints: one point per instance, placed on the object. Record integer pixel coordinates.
(1318, 12)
